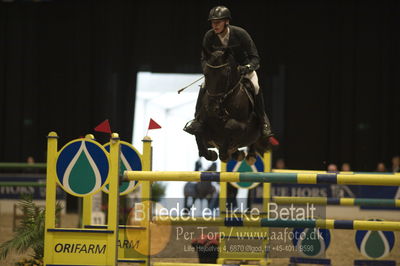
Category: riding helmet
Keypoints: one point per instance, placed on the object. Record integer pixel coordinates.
(219, 12)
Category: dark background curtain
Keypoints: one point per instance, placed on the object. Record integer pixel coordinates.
(329, 70)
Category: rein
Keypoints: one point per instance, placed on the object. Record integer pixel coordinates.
(219, 66)
(225, 94)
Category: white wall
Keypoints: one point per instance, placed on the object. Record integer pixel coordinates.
(157, 98)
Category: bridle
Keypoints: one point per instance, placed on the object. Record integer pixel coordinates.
(219, 66)
(223, 94)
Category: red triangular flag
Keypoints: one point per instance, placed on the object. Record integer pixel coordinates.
(153, 124)
(103, 127)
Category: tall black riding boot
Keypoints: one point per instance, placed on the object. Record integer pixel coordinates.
(260, 111)
(194, 126)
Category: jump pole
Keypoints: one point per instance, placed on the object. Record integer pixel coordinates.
(363, 202)
(329, 172)
(291, 178)
(279, 223)
(194, 264)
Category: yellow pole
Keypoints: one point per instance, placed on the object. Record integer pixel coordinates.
(146, 192)
(266, 186)
(113, 199)
(223, 186)
(50, 215)
(222, 191)
(265, 202)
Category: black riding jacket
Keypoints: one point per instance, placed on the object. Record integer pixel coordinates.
(242, 46)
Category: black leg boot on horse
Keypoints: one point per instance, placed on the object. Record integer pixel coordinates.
(195, 126)
(264, 121)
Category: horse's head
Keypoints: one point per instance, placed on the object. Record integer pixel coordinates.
(220, 71)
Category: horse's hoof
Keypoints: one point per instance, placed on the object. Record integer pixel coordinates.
(250, 160)
(238, 156)
(223, 158)
(211, 156)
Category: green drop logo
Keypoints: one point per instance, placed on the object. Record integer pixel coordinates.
(82, 175)
(311, 240)
(81, 168)
(375, 245)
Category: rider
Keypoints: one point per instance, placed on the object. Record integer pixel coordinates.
(245, 53)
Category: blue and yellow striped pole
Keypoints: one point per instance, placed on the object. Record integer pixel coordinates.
(329, 172)
(365, 202)
(194, 264)
(291, 178)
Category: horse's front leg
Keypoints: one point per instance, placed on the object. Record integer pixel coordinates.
(204, 151)
(224, 155)
(251, 157)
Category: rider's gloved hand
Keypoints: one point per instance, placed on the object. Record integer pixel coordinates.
(245, 69)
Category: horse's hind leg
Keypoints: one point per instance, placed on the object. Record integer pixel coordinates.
(204, 151)
(251, 157)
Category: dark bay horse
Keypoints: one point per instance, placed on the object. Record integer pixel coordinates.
(229, 121)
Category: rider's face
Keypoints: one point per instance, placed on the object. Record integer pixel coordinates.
(218, 25)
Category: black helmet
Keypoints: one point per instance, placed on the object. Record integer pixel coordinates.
(219, 12)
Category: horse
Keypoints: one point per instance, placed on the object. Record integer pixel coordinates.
(227, 113)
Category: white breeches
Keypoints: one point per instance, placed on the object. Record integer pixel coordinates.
(252, 76)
